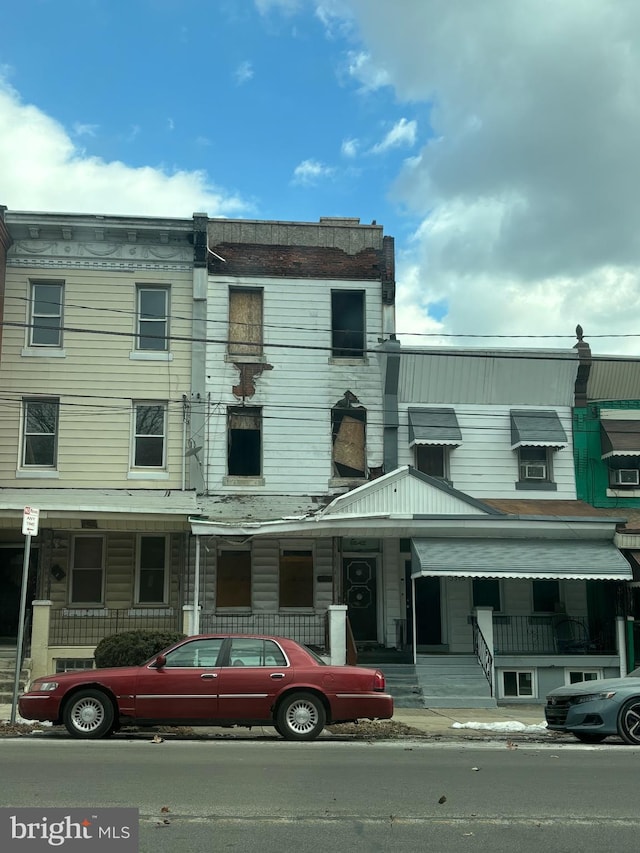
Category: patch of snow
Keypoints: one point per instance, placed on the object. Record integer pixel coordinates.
(506, 726)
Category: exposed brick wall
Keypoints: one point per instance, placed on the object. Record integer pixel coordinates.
(298, 262)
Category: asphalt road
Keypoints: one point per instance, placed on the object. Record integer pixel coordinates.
(269, 795)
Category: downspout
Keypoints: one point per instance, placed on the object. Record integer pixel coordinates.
(390, 418)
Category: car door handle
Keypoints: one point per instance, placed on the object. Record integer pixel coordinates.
(209, 675)
(277, 675)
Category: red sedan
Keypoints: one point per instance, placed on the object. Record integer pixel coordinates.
(236, 680)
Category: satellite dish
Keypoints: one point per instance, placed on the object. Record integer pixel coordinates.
(194, 450)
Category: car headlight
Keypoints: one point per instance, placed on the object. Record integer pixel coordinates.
(591, 697)
(46, 685)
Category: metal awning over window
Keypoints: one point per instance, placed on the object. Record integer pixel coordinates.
(434, 426)
(572, 559)
(619, 437)
(536, 428)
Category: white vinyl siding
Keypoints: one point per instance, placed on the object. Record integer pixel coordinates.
(97, 380)
(299, 385)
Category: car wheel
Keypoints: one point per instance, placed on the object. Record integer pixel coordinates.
(589, 737)
(89, 714)
(300, 716)
(629, 722)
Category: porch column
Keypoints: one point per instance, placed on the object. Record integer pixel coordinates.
(621, 632)
(187, 619)
(338, 634)
(40, 638)
(484, 615)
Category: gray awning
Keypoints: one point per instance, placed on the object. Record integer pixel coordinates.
(536, 428)
(434, 426)
(619, 437)
(519, 558)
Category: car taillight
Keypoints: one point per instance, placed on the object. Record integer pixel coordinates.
(378, 680)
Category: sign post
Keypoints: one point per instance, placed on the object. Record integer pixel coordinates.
(30, 522)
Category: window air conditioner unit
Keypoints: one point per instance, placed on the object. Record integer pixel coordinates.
(626, 477)
(536, 471)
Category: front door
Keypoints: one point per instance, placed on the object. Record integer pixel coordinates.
(11, 565)
(428, 619)
(360, 597)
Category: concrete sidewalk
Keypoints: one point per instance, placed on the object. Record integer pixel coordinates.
(504, 722)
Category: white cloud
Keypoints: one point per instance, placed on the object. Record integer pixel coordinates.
(286, 7)
(361, 67)
(350, 147)
(403, 133)
(243, 73)
(171, 125)
(310, 172)
(42, 169)
(526, 191)
(80, 129)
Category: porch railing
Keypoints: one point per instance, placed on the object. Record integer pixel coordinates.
(307, 628)
(552, 635)
(481, 651)
(77, 627)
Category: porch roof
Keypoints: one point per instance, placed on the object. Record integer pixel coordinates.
(62, 502)
(524, 558)
(434, 426)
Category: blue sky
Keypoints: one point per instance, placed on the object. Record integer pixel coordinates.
(497, 142)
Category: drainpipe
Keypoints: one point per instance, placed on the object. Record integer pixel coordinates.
(390, 419)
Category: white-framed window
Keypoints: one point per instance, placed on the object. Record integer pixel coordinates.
(576, 676)
(518, 683)
(348, 323)
(296, 577)
(149, 435)
(87, 569)
(40, 433)
(152, 569)
(152, 314)
(233, 578)
(534, 464)
(45, 315)
(245, 322)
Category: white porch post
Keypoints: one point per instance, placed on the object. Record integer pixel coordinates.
(40, 638)
(413, 621)
(187, 618)
(195, 623)
(338, 634)
(621, 631)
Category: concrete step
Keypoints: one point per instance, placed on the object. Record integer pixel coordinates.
(453, 681)
(401, 683)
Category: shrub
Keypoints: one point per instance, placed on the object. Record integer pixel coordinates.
(132, 648)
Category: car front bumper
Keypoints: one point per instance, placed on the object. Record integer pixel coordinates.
(43, 706)
(598, 716)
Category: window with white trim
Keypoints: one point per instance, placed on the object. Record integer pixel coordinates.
(152, 570)
(40, 433)
(149, 435)
(45, 320)
(517, 683)
(87, 570)
(576, 676)
(534, 464)
(432, 459)
(152, 313)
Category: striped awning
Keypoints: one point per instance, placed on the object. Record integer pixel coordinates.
(569, 559)
(434, 426)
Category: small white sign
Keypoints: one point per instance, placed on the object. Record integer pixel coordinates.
(30, 521)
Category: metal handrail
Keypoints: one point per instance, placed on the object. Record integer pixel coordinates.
(481, 651)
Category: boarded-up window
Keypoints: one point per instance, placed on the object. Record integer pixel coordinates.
(296, 579)
(245, 322)
(349, 440)
(233, 585)
(244, 428)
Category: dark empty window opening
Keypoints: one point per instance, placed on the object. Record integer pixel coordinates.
(244, 456)
(431, 459)
(348, 428)
(347, 323)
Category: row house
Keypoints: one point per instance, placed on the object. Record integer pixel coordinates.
(95, 371)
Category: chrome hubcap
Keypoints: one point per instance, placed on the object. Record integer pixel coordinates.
(87, 715)
(302, 717)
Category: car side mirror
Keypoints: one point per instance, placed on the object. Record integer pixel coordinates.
(160, 661)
